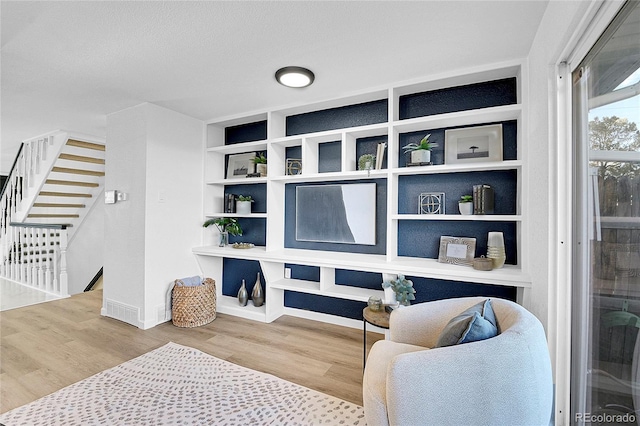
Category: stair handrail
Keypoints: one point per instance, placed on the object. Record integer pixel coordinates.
(94, 280)
(15, 163)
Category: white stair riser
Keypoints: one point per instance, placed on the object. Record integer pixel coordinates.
(74, 150)
(70, 164)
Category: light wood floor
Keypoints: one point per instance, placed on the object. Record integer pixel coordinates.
(48, 346)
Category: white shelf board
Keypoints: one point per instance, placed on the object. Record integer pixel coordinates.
(229, 305)
(222, 214)
(509, 275)
(460, 217)
(287, 141)
(333, 176)
(458, 168)
(255, 253)
(303, 286)
(475, 117)
(237, 148)
(238, 181)
(335, 291)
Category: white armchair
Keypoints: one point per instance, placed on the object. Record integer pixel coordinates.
(504, 380)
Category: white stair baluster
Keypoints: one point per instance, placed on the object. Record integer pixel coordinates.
(64, 285)
(47, 259)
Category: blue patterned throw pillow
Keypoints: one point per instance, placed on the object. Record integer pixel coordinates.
(476, 323)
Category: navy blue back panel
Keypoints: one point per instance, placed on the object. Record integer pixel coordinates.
(293, 152)
(329, 157)
(381, 223)
(254, 230)
(427, 289)
(323, 304)
(245, 133)
(454, 185)
(338, 118)
(257, 191)
(236, 270)
(462, 98)
(372, 280)
(304, 272)
(509, 142)
(422, 238)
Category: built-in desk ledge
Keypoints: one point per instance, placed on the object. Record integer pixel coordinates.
(509, 275)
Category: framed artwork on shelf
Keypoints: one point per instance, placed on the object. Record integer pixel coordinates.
(431, 203)
(344, 213)
(473, 144)
(457, 250)
(293, 167)
(240, 165)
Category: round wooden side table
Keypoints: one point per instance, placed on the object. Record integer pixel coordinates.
(377, 318)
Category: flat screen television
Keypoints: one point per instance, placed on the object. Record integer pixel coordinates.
(341, 213)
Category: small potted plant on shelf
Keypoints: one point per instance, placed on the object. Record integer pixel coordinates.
(420, 152)
(226, 226)
(402, 289)
(260, 160)
(366, 162)
(465, 205)
(243, 204)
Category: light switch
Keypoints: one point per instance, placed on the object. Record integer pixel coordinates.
(110, 196)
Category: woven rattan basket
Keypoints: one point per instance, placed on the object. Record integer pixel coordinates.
(193, 306)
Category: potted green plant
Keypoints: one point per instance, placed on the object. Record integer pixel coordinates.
(260, 160)
(465, 205)
(226, 226)
(402, 289)
(420, 152)
(366, 162)
(243, 204)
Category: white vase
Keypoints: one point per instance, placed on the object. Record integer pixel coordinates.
(389, 296)
(243, 207)
(465, 208)
(421, 156)
(261, 168)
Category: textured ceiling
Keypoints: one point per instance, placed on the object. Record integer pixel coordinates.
(66, 65)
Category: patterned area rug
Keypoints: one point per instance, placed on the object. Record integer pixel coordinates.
(177, 384)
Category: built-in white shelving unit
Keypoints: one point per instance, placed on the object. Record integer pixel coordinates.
(274, 255)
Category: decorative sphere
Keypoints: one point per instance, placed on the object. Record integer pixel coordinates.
(375, 303)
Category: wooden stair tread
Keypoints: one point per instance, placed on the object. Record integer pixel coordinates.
(63, 205)
(47, 215)
(77, 171)
(63, 194)
(81, 158)
(83, 144)
(71, 183)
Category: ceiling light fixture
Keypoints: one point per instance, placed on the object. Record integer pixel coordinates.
(295, 77)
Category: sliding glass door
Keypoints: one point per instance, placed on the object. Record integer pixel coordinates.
(606, 287)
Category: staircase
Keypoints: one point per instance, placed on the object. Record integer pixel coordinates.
(55, 180)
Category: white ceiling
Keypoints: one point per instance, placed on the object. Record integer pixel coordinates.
(66, 64)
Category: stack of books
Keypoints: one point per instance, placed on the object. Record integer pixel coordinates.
(483, 199)
(229, 203)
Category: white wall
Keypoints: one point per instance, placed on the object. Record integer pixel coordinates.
(173, 204)
(124, 222)
(558, 29)
(86, 248)
(155, 156)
